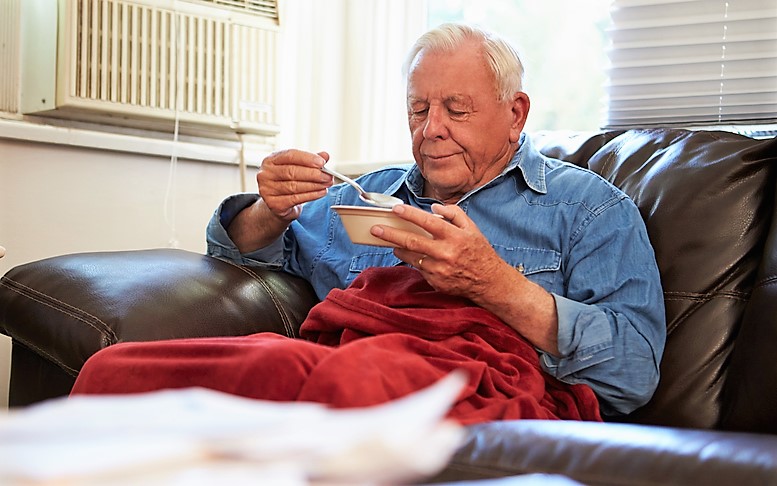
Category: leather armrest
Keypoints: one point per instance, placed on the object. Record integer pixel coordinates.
(66, 308)
(610, 453)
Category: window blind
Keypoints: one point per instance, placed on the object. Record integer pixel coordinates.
(692, 62)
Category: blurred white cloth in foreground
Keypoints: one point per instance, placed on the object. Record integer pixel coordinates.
(199, 436)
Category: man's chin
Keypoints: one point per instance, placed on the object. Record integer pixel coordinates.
(443, 188)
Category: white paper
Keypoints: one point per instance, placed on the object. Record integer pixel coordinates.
(199, 436)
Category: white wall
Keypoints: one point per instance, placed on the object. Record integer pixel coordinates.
(57, 199)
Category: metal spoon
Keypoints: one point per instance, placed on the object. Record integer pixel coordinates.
(374, 198)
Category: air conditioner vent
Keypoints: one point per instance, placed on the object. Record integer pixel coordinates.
(263, 8)
(143, 63)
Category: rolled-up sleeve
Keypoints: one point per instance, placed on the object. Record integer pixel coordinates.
(611, 321)
(221, 246)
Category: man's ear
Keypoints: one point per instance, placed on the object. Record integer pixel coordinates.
(520, 111)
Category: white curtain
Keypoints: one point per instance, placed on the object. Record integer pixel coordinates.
(342, 88)
(692, 62)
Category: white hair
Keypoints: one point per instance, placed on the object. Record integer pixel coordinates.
(503, 58)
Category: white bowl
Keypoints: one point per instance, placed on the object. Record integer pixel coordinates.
(359, 219)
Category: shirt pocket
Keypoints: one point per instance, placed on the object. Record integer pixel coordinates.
(375, 257)
(539, 265)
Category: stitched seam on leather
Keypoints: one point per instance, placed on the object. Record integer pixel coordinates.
(767, 281)
(281, 311)
(704, 297)
(288, 328)
(71, 311)
(697, 300)
(48, 356)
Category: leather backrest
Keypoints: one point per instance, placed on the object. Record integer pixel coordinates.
(750, 393)
(707, 200)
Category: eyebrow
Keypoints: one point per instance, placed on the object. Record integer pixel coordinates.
(459, 98)
(456, 98)
(462, 99)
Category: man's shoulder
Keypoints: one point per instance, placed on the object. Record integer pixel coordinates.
(579, 184)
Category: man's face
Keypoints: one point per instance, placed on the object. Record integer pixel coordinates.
(462, 136)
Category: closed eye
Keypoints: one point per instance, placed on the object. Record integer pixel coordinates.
(458, 114)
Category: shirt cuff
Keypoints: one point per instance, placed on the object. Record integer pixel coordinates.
(584, 338)
(221, 246)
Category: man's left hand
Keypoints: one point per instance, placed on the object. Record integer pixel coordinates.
(459, 260)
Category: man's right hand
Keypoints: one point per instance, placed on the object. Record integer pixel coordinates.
(290, 178)
(286, 181)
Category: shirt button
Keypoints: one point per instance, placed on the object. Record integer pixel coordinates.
(520, 267)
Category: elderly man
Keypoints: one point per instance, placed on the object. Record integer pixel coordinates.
(552, 250)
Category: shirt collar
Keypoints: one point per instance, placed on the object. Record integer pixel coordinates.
(530, 163)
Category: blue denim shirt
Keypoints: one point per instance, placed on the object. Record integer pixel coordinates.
(564, 227)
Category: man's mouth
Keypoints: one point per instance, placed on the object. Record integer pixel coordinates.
(437, 157)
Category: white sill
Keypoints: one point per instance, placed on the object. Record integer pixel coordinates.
(133, 141)
(204, 149)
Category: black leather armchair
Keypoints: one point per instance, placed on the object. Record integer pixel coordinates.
(708, 200)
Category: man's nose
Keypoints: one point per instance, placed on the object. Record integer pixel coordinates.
(435, 124)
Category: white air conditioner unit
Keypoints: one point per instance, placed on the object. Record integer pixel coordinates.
(206, 64)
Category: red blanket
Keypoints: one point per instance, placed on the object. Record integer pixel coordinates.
(387, 335)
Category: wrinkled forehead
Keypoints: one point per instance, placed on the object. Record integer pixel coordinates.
(459, 69)
(470, 50)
